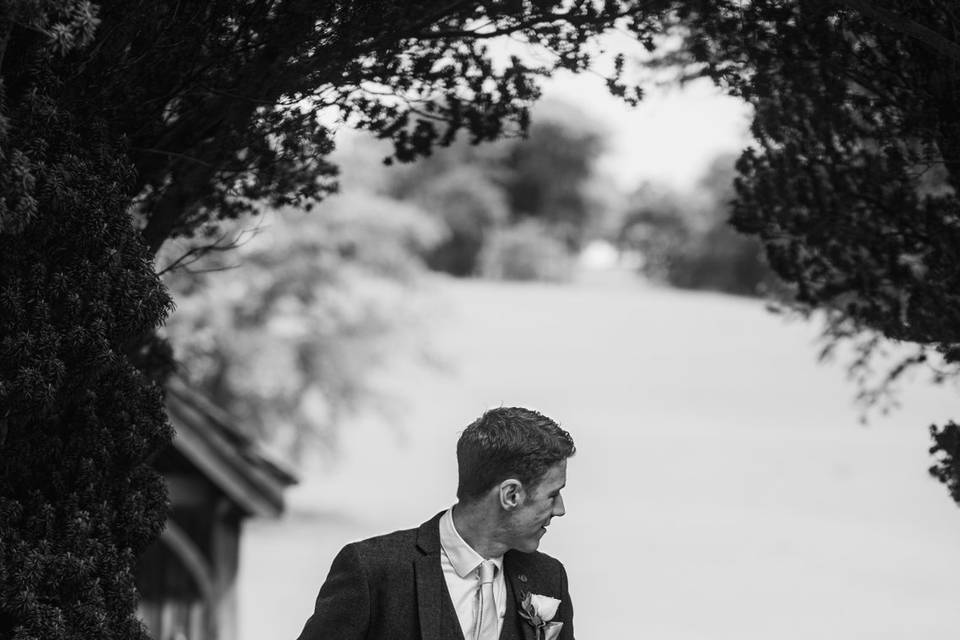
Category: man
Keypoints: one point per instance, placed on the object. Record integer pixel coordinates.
(472, 572)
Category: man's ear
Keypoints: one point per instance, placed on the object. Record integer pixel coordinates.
(512, 494)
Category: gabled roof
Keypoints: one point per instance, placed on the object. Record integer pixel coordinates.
(228, 457)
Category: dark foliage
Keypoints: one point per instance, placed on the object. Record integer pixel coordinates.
(218, 100)
(78, 422)
(946, 446)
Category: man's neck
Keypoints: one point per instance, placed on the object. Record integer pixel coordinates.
(479, 528)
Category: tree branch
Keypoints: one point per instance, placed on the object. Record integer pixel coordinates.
(173, 154)
(906, 26)
(224, 243)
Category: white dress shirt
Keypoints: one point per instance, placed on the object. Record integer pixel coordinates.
(461, 564)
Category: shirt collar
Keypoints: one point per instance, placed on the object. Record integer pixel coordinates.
(462, 556)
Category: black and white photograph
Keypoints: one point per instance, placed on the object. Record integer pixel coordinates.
(479, 320)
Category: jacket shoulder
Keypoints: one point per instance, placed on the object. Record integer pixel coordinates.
(399, 542)
(537, 560)
(539, 568)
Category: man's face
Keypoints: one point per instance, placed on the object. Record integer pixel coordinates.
(542, 502)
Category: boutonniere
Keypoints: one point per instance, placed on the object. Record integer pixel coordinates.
(538, 611)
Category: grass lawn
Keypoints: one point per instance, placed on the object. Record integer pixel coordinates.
(723, 487)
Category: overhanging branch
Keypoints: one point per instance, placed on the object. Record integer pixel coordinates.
(912, 28)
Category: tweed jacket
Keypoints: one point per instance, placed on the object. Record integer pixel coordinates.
(391, 587)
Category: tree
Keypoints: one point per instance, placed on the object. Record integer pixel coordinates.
(852, 183)
(543, 178)
(217, 100)
(285, 330)
(546, 175)
(471, 207)
(78, 421)
(685, 240)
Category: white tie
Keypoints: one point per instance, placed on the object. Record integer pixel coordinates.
(486, 607)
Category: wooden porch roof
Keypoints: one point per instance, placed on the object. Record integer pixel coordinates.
(210, 439)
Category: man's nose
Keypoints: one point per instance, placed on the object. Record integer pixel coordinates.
(558, 509)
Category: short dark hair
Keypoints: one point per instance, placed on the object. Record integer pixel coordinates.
(508, 442)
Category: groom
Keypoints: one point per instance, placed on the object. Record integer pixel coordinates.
(472, 572)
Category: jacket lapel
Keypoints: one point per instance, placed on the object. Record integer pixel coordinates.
(517, 588)
(432, 593)
(429, 595)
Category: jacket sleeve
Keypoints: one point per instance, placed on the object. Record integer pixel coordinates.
(565, 612)
(342, 611)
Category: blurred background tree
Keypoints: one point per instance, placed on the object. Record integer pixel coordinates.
(546, 176)
(287, 329)
(470, 207)
(518, 209)
(528, 250)
(685, 239)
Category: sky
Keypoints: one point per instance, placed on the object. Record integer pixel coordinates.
(670, 138)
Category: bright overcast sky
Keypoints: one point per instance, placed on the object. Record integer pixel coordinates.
(671, 137)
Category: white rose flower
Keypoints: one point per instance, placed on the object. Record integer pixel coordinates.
(545, 607)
